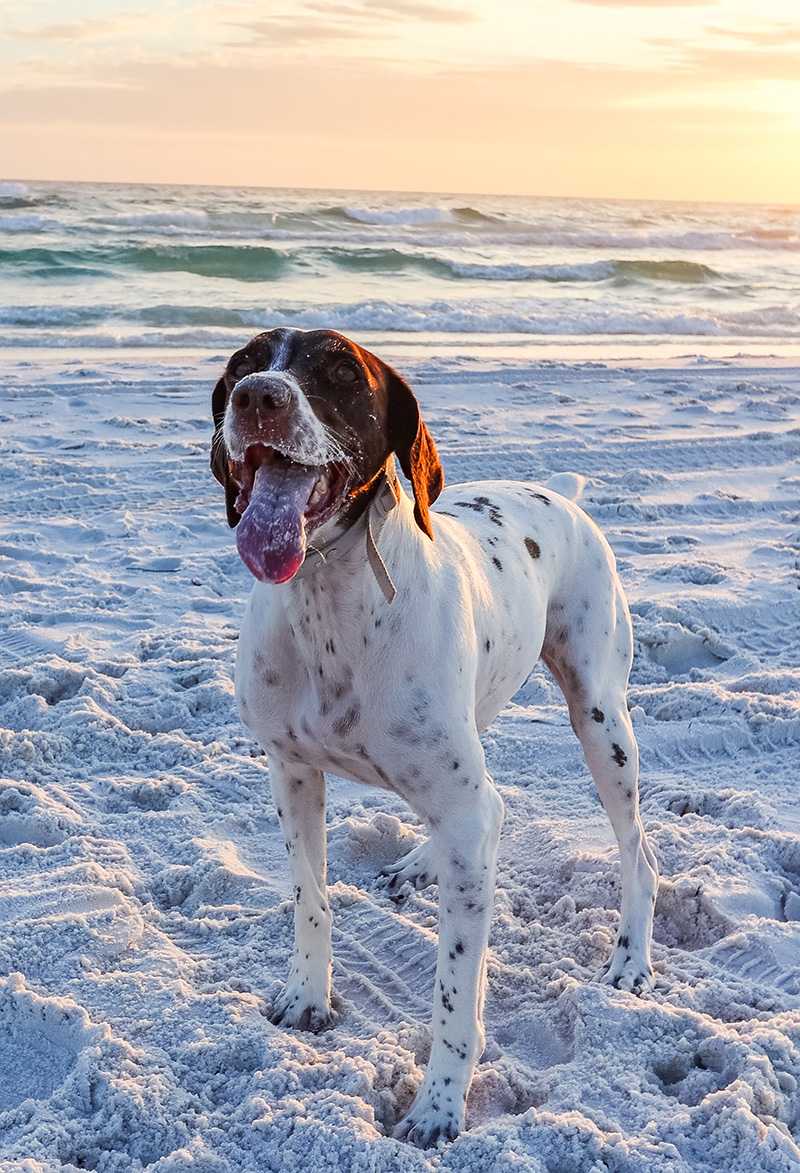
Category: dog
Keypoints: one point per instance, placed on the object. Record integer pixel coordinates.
(380, 639)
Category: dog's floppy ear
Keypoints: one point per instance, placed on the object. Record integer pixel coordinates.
(219, 454)
(415, 448)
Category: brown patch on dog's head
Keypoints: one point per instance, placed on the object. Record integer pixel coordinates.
(220, 465)
(416, 451)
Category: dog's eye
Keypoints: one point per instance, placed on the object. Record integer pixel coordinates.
(345, 373)
(242, 367)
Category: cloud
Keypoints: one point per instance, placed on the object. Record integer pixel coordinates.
(286, 32)
(781, 36)
(350, 47)
(319, 22)
(646, 3)
(84, 30)
(417, 10)
(335, 95)
(713, 64)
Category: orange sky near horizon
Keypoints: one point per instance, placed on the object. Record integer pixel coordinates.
(643, 99)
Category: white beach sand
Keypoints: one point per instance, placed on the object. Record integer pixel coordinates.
(145, 916)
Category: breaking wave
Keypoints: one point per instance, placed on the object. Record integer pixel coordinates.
(239, 262)
(178, 325)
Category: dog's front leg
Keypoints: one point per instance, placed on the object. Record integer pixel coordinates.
(464, 838)
(299, 794)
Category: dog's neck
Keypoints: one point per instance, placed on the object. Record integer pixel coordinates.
(333, 604)
(362, 534)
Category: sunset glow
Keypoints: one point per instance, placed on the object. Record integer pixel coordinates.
(617, 98)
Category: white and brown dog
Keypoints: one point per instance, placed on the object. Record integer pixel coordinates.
(381, 638)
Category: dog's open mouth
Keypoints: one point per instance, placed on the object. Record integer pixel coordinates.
(281, 500)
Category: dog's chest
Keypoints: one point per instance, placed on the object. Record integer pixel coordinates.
(300, 684)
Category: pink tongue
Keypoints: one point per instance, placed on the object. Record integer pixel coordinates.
(271, 537)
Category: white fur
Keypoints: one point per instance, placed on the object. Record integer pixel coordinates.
(331, 677)
(307, 442)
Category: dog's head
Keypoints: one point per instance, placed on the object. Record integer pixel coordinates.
(304, 423)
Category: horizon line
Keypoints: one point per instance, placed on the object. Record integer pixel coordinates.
(406, 192)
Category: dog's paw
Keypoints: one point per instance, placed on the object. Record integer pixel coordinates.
(415, 868)
(295, 1009)
(428, 1123)
(628, 969)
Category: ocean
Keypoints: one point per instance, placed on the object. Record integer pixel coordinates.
(110, 266)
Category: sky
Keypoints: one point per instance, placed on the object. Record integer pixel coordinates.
(642, 99)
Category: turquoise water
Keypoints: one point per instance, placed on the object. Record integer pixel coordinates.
(106, 265)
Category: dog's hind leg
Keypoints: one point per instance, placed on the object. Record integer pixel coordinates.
(589, 651)
(416, 867)
(299, 794)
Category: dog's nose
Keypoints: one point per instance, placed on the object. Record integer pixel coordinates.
(259, 393)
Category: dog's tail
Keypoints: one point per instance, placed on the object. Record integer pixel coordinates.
(568, 484)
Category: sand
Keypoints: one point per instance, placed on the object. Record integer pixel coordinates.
(144, 899)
